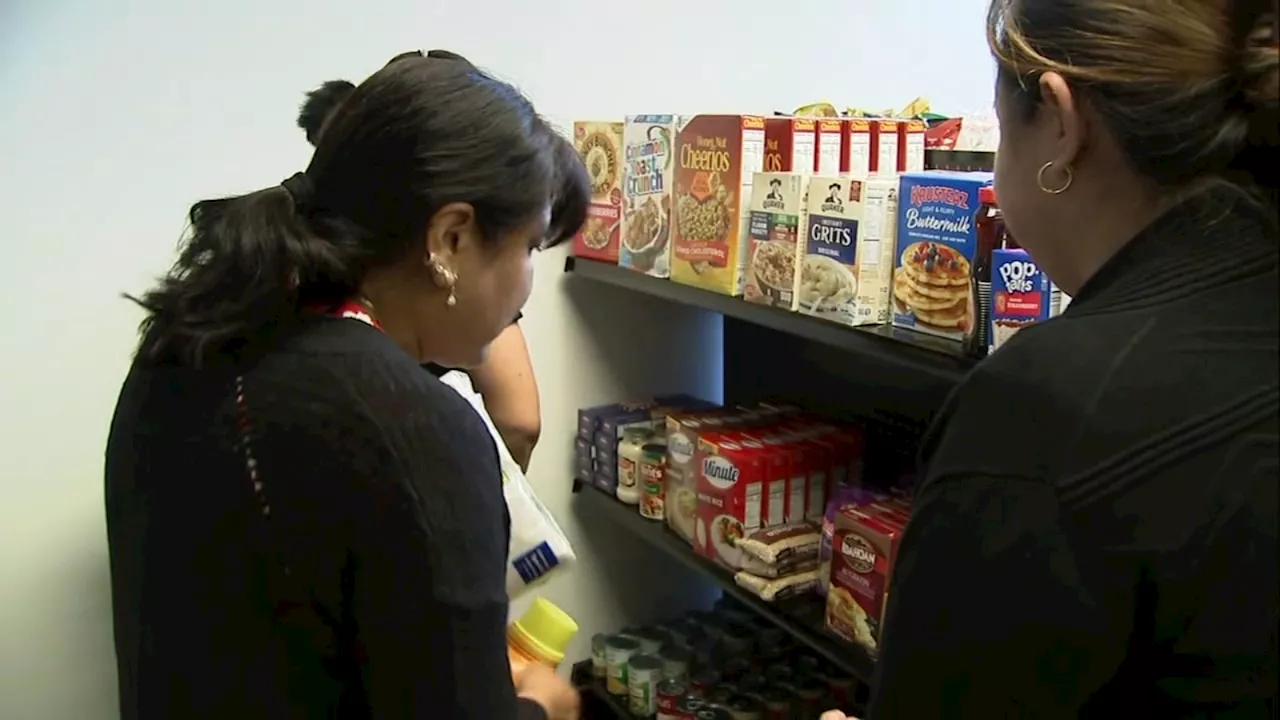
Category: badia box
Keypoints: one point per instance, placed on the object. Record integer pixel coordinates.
(773, 225)
(933, 284)
(846, 261)
(1021, 295)
(600, 145)
(717, 157)
(648, 146)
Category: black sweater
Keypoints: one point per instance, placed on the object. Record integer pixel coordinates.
(346, 562)
(1095, 533)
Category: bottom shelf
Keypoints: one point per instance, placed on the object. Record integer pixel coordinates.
(597, 703)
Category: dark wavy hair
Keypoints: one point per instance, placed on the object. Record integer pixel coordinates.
(424, 131)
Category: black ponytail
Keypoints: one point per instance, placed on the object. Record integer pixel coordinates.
(238, 277)
(320, 106)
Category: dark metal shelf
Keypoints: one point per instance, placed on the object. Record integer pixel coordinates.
(801, 617)
(937, 357)
(597, 703)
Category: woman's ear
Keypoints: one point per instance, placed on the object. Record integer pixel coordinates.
(452, 230)
(1061, 108)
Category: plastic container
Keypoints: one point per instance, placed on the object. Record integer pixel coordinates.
(541, 635)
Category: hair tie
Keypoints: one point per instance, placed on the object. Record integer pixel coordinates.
(300, 189)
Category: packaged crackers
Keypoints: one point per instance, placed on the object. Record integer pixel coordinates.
(846, 264)
(648, 179)
(777, 206)
(600, 145)
(717, 157)
(934, 288)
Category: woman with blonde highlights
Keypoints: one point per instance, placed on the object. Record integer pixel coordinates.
(1095, 530)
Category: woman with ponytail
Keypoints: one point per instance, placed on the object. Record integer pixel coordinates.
(505, 379)
(302, 523)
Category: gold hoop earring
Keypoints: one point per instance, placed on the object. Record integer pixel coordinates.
(1054, 191)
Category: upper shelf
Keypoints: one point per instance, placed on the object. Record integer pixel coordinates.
(938, 357)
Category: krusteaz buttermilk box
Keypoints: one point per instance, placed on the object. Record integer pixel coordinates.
(1021, 295)
(845, 266)
(933, 284)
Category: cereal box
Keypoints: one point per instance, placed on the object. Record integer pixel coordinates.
(863, 548)
(717, 157)
(857, 149)
(933, 284)
(648, 177)
(831, 138)
(777, 205)
(884, 144)
(911, 146)
(730, 487)
(1020, 295)
(790, 144)
(846, 264)
(600, 145)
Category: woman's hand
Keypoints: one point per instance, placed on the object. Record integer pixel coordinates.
(541, 685)
(836, 715)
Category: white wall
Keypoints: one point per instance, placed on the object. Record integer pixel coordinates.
(115, 116)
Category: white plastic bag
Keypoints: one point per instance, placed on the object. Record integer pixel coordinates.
(539, 547)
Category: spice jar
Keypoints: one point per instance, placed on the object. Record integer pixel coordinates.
(653, 480)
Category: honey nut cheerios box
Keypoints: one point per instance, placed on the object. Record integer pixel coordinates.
(717, 157)
(600, 145)
(648, 143)
(934, 288)
(774, 227)
(846, 256)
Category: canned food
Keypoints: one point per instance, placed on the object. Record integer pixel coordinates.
(736, 668)
(778, 702)
(644, 672)
(839, 686)
(770, 641)
(752, 683)
(720, 694)
(652, 640)
(683, 632)
(653, 481)
(618, 651)
(599, 666)
(738, 641)
(669, 694)
(712, 713)
(689, 706)
(675, 661)
(746, 707)
(810, 694)
(780, 673)
(703, 680)
(807, 664)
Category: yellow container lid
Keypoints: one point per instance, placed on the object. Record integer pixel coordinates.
(544, 631)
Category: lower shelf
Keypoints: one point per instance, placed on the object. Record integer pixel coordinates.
(597, 703)
(801, 617)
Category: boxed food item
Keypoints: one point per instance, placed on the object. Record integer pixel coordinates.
(1021, 295)
(863, 550)
(832, 134)
(730, 487)
(858, 148)
(717, 157)
(842, 499)
(911, 145)
(790, 144)
(648, 177)
(933, 285)
(600, 145)
(783, 484)
(884, 144)
(682, 430)
(777, 206)
(846, 265)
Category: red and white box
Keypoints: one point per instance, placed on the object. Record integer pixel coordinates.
(863, 549)
(730, 486)
(832, 134)
(790, 145)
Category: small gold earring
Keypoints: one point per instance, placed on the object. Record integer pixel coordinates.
(452, 299)
(1054, 191)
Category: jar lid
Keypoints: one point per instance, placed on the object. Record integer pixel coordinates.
(545, 630)
(987, 195)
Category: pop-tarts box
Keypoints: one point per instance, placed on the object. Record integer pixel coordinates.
(1021, 295)
(934, 290)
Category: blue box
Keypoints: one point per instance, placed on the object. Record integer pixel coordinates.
(933, 280)
(1021, 295)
